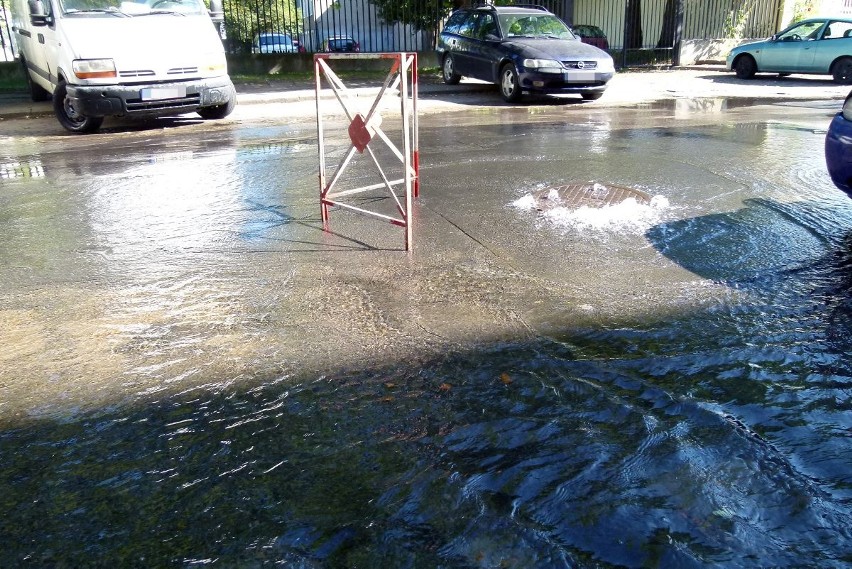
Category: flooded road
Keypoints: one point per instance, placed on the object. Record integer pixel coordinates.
(194, 372)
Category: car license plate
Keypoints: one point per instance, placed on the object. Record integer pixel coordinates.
(157, 93)
(580, 76)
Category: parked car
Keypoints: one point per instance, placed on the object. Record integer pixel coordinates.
(815, 46)
(591, 35)
(521, 49)
(340, 44)
(838, 147)
(272, 42)
(94, 60)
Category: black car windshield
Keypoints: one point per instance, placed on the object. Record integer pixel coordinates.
(534, 26)
(341, 43)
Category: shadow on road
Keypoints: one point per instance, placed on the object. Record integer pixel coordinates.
(771, 79)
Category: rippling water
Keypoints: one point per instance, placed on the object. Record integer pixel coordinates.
(716, 432)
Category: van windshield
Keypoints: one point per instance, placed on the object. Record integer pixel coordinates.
(131, 8)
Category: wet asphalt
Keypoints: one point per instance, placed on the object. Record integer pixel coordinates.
(195, 369)
(629, 87)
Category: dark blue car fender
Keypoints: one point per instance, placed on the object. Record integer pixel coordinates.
(838, 152)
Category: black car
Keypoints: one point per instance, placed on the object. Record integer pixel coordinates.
(521, 49)
(340, 44)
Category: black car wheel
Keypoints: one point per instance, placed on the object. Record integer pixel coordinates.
(842, 71)
(449, 71)
(68, 115)
(510, 88)
(745, 66)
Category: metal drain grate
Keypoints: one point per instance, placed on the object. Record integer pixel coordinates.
(590, 194)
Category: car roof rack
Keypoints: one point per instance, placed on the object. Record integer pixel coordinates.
(490, 4)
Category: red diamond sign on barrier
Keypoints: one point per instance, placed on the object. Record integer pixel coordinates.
(361, 133)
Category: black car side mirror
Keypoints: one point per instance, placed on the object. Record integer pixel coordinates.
(491, 37)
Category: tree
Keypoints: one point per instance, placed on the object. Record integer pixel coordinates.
(248, 17)
(420, 14)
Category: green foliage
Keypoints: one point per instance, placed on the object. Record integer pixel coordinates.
(246, 18)
(737, 18)
(803, 9)
(421, 14)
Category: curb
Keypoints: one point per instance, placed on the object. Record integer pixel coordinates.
(19, 106)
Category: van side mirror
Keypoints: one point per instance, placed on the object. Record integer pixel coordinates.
(38, 15)
(217, 12)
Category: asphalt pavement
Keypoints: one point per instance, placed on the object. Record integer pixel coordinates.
(626, 88)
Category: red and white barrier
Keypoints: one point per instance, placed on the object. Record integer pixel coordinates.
(365, 129)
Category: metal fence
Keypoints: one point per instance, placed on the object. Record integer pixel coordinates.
(638, 31)
(7, 48)
(714, 19)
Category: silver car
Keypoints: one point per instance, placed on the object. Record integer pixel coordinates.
(271, 42)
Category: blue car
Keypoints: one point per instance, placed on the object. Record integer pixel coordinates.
(838, 148)
(521, 49)
(813, 46)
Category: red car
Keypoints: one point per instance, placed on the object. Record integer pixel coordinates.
(591, 35)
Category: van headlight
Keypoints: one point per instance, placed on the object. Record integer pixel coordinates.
(93, 68)
(544, 65)
(216, 63)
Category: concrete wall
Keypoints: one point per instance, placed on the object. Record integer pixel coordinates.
(304, 62)
(268, 64)
(707, 51)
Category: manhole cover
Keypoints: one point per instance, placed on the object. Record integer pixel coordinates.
(590, 194)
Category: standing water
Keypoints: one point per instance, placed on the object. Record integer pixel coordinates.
(195, 374)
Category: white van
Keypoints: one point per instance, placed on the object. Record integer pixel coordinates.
(99, 58)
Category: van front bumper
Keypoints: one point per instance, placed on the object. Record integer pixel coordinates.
(136, 100)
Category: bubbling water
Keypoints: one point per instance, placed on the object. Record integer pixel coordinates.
(595, 206)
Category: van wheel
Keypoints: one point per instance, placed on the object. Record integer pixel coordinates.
(37, 93)
(68, 116)
(219, 111)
